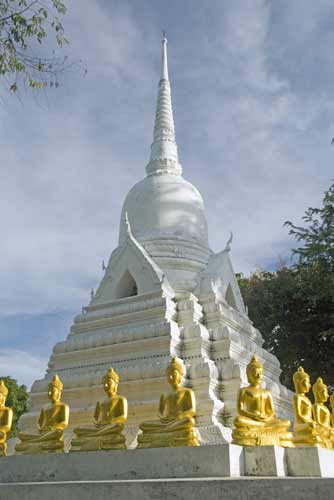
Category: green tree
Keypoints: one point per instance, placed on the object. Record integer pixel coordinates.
(24, 25)
(17, 400)
(295, 314)
(318, 236)
(293, 307)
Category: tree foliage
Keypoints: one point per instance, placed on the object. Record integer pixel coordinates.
(24, 25)
(318, 236)
(295, 313)
(17, 400)
(293, 307)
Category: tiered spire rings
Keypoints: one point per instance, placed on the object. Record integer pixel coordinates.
(164, 155)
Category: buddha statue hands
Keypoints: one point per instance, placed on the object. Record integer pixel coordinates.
(109, 418)
(322, 414)
(177, 409)
(256, 423)
(6, 418)
(53, 421)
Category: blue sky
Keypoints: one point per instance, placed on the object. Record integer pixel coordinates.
(252, 89)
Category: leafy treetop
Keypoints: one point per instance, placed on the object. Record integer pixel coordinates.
(22, 24)
(318, 236)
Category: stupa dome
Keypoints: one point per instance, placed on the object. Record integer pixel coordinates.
(165, 206)
(166, 212)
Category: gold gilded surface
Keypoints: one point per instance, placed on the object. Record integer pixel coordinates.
(331, 400)
(109, 418)
(177, 410)
(322, 414)
(256, 423)
(52, 422)
(6, 419)
(306, 431)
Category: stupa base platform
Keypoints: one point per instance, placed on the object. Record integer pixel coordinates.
(176, 489)
(216, 461)
(211, 472)
(153, 463)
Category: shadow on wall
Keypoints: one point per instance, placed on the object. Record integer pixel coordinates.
(127, 287)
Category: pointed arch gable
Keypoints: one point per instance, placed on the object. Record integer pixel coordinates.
(131, 271)
(219, 272)
(229, 297)
(126, 287)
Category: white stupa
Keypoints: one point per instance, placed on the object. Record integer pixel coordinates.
(164, 293)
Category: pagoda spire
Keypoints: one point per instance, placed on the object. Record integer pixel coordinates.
(164, 66)
(164, 157)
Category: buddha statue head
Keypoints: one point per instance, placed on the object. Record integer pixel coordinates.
(175, 372)
(301, 381)
(254, 372)
(110, 382)
(3, 393)
(55, 388)
(320, 391)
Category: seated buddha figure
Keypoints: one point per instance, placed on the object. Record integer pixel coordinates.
(256, 423)
(322, 414)
(6, 418)
(109, 418)
(53, 420)
(177, 409)
(306, 431)
(331, 399)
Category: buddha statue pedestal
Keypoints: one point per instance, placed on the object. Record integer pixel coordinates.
(306, 435)
(53, 420)
(102, 439)
(165, 438)
(310, 461)
(6, 419)
(177, 409)
(44, 442)
(264, 461)
(256, 423)
(268, 436)
(109, 418)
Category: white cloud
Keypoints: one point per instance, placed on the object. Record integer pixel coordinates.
(259, 140)
(21, 366)
(252, 137)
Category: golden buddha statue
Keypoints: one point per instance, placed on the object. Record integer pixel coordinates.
(322, 414)
(177, 410)
(331, 399)
(256, 423)
(306, 431)
(53, 420)
(109, 418)
(6, 418)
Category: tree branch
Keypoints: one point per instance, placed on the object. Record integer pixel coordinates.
(28, 7)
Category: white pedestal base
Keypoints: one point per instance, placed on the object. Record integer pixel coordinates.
(264, 461)
(310, 462)
(155, 463)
